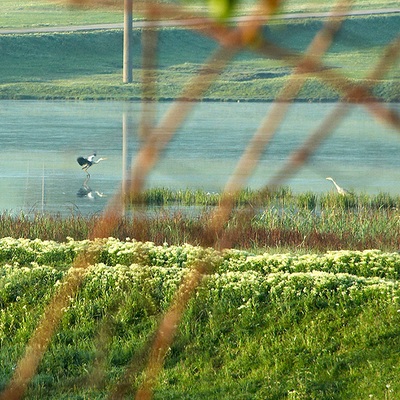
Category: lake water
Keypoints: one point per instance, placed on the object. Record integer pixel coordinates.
(40, 141)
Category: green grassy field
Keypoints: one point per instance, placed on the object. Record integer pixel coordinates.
(264, 326)
(286, 317)
(39, 13)
(28, 13)
(89, 65)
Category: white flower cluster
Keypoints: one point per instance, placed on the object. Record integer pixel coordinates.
(366, 263)
(234, 278)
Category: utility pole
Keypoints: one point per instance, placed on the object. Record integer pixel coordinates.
(128, 39)
(125, 131)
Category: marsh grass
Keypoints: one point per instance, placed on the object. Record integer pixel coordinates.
(277, 221)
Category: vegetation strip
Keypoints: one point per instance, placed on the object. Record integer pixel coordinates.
(25, 254)
(325, 308)
(277, 222)
(88, 65)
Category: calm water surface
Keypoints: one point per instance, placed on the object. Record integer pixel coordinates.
(40, 141)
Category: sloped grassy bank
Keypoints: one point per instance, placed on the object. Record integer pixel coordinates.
(260, 326)
(88, 65)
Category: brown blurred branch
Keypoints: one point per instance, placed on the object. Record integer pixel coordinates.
(225, 35)
(232, 39)
(269, 125)
(300, 156)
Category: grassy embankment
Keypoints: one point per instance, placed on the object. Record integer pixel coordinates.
(259, 327)
(88, 65)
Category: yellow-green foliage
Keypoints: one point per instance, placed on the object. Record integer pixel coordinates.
(258, 326)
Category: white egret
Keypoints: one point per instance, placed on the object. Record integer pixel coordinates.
(339, 189)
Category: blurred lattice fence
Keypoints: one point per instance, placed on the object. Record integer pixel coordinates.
(231, 38)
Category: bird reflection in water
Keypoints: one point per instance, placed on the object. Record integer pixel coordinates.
(86, 191)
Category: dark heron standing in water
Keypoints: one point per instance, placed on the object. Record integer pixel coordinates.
(87, 162)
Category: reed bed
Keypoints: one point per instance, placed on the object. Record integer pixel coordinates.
(283, 196)
(279, 221)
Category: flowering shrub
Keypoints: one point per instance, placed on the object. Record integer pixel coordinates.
(244, 303)
(25, 251)
(366, 263)
(114, 252)
(30, 282)
(237, 279)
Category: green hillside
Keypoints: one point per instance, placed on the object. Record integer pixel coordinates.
(265, 326)
(88, 65)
